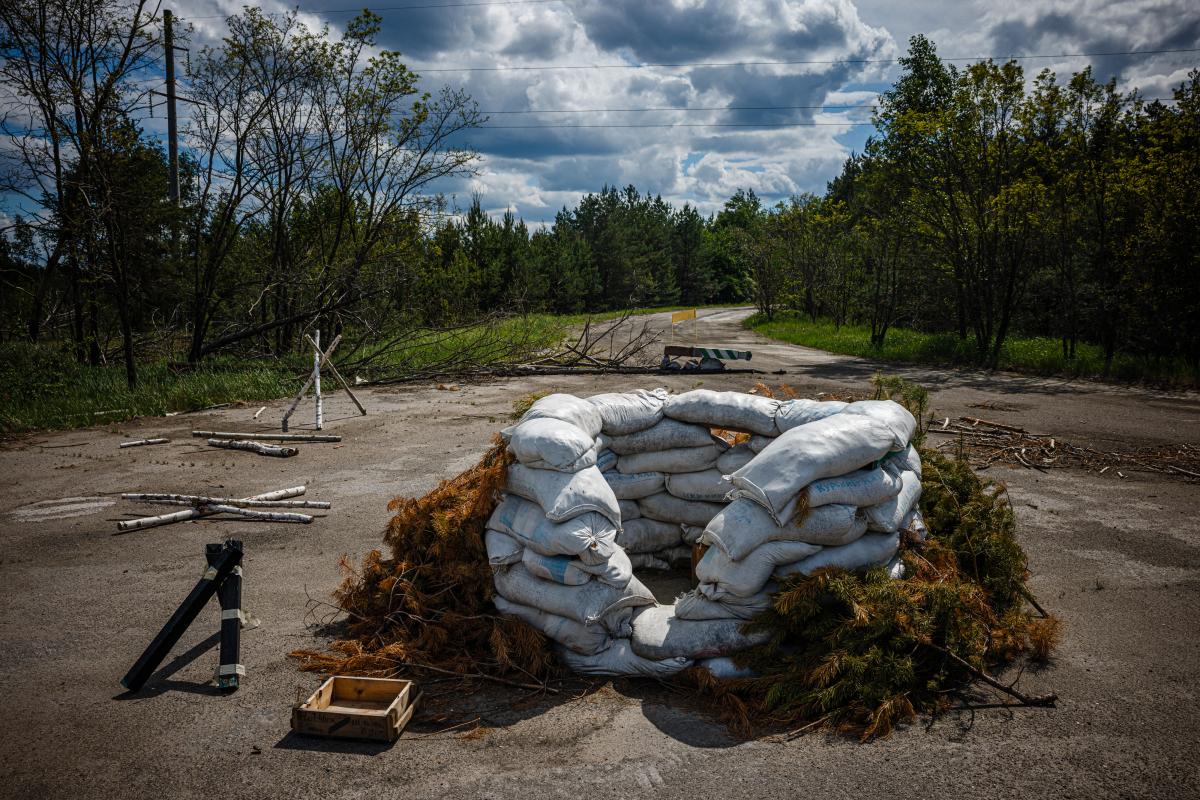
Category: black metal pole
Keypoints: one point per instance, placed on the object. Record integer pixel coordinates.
(229, 594)
(172, 141)
(229, 557)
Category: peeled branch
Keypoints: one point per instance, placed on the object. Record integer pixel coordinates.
(255, 447)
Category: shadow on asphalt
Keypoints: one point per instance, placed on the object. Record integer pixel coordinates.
(316, 744)
(947, 378)
(159, 682)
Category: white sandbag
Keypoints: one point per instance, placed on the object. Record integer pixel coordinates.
(793, 413)
(724, 668)
(832, 446)
(895, 568)
(590, 537)
(915, 523)
(743, 525)
(595, 602)
(759, 443)
(898, 419)
(621, 660)
(862, 488)
(568, 408)
(659, 634)
(588, 459)
(872, 550)
(649, 561)
(907, 459)
(733, 410)
(669, 508)
(628, 412)
(889, 515)
(606, 460)
(617, 572)
(710, 485)
(694, 605)
(669, 434)
(557, 444)
(564, 495)
(684, 459)
(502, 549)
(644, 535)
(629, 509)
(719, 575)
(584, 639)
(559, 569)
(572, 572)
(735, 458)
(634, 485)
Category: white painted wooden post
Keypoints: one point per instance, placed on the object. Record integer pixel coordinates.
(317, 376)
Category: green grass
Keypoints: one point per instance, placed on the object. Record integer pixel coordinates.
(1034, 355)
(42, 388)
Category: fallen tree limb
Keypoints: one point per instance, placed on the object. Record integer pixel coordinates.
(254, 447)
(267, 516)
(522, 371)
(1024, 699)
(988, 443)
(125, 526)
(202, 500)
(268, 437)
(481, 676)
(142, 442)
(977, 421)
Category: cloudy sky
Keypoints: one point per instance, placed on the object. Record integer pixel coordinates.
(776, 128)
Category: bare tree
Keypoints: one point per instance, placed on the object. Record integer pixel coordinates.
(292, 126)
(68, 68)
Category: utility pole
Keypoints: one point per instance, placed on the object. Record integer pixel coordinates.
(172, 139)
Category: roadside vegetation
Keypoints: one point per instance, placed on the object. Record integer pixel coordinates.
(1047, 226)
(1031, 355)
(42, 387)
(998, 217)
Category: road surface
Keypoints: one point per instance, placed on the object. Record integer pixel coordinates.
(1118, 559)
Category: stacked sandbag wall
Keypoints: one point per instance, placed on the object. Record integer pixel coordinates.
(634, 479)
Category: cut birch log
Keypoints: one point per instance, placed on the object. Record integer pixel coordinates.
(201, 500)
(141, 442)
(254, 447)
(125, 526)
(256, 413)
(338, 377)
(267, 516)
(300, 395)
(269, 437)
(320, 417)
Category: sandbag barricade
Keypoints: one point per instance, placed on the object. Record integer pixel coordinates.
(622, 481)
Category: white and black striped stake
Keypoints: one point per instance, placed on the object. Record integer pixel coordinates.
(229, 594)
(219, 569)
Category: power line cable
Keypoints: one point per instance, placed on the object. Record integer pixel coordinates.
(675, 125)
(420, 7)
(841, 106)
(792, 62)
(832, 107)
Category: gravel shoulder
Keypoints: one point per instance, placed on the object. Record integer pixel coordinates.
(1117, 559)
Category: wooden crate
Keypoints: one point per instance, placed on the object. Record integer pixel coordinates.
(357, 708)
